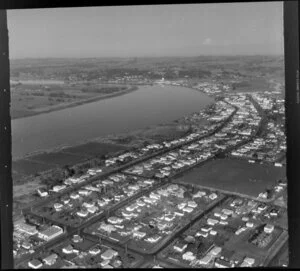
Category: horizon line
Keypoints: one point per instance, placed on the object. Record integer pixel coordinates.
(135, 57)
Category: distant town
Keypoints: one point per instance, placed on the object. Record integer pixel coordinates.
(212, 196)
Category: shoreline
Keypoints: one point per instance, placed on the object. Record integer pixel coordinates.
(109, 136)
(74, 104)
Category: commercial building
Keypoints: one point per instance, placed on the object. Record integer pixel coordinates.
(51, 233)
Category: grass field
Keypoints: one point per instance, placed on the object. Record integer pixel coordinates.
(57, 158)
(93, 148)
(235, 176)
(67, 156)
(29, 100)
(253, 84)
(26, 167)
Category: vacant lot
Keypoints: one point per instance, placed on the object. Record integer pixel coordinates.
(235, 176)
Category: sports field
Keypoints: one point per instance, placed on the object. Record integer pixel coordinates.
(235, 176)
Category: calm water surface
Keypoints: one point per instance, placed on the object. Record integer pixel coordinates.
(149, 105)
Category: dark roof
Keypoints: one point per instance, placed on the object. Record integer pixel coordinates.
(222, 262)
(237, 257)
(227, 254)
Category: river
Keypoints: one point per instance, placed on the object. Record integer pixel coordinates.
(149, 105)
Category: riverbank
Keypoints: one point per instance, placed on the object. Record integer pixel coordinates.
(65, 105)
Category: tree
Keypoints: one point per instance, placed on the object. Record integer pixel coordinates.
(68, 172)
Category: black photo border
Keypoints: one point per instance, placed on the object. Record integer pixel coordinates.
(292, 109)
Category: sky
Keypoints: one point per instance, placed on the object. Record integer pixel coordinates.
(147, 31)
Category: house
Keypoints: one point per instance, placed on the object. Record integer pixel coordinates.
(206, 228)
(131, 207)
(57, 206)
(74, 196)
(42, 192)
(92, 209)
(178, 213)
(83, 213)
(274, 212)
(169, 217)
(223, 222)
(227, 212)
(77, 238)
(187, 209)
(249, 261)
(114, 220)
(213, 232)
(263, 195)
(30, 230)
(51, 259)
(268, 228)
(84, 192)
(262, 207)
(68, 249)
(239, 231)
(65, 200)
(213, 196)
(203, 234)
(109, 254)
(95, 251)
(68, 182)
(180, 206)
(101, 203)
(216, 214)
(245, 218)
(220, 263)
(58, 188)
(104, 263)
(249, 224)
(26, 245)
(154, 196)
(35, 264)
(180, 246)
(117, 264)
(188, 256)
(192, 204)
(211, 221)
(223, 217)
(139, 234)
(215, 251)
(141, 203)
(206, 259)
(107, 227)
(154, 238)
(88, 204)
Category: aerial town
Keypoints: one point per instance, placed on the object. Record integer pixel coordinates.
(153, 207)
